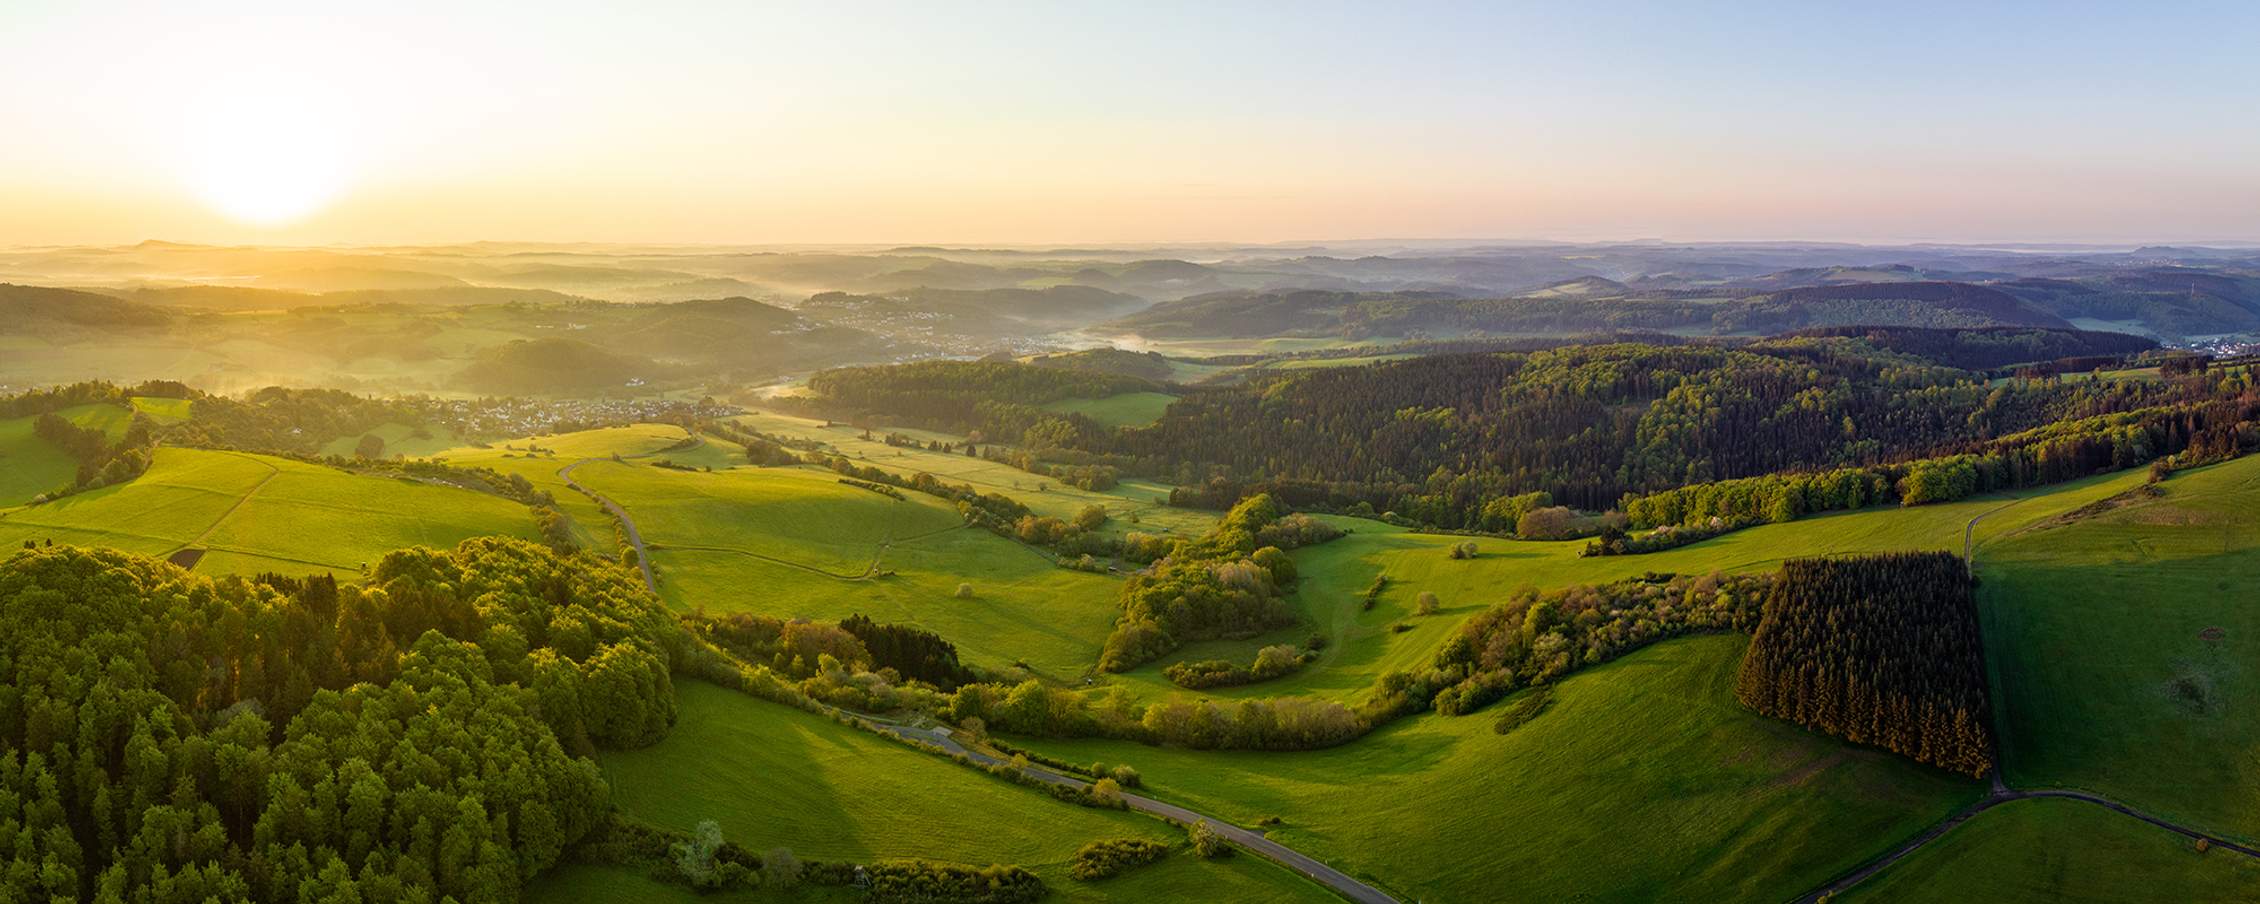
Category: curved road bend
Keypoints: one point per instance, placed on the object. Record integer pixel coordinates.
(1278, 853)
(2003, 794)
(627, 524)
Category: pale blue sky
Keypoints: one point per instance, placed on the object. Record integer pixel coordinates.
(1082, 122)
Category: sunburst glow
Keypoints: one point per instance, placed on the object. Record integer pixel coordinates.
(265, 154)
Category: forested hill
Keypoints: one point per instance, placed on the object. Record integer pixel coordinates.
(1435, 437)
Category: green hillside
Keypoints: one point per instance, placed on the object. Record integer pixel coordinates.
(253, 513)
(775, 776)
(1129, 409)
(2056, 851)
(2115, 643)
(29, 466)
(1644, 780)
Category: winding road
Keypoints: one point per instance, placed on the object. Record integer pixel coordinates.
(1308, 866)
(627, 524)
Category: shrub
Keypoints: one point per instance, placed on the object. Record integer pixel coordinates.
(1114, 856)
(920, 881)
(1426, 603)
(1126, 777)
(1524, 710)
(1106, 792)
(964, 590)
(1206, 842)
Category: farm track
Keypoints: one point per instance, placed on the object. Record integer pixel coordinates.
(2001, 793)
(272, 473)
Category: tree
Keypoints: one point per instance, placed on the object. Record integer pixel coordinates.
(370, 446)
(694, 856)
(1426, 603)
(1206, 842)
(1090, 517)
(779, 868)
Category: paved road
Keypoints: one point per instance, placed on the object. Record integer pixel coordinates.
(627, 524)
(1285, 856)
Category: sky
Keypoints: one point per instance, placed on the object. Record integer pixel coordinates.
(1082, 123)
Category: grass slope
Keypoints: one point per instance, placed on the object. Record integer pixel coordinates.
(595, 529)
(1139, 497)
(1643, 781)
(163, 411)
(2043, 850)
(775, 776)
(1129, 409)
(796, 542)
(2120, 645)
(255, 513)
(400, 439)
(1363, 646)
(29, 465)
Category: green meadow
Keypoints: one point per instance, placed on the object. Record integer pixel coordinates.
(1129, 409)
(1643, 780)
(2054, 850)
(2121, 643)
(400, 440)
(795, 542)
(29, 466)
(253, 513)
(594, 526)
(163, 411)
(774, 776)
(1363, 645)
(1145, 500)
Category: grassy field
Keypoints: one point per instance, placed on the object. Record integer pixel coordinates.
(2120, 646)
(29, 466)
(112, 420)
(163, 411)
(2044, 850)
(400, 439)
(1362, 645)
(1643, 781)
(1129, 409)
(795, 542)
(1141, 498)
(775, 776)
(254, 513)
(595, 529)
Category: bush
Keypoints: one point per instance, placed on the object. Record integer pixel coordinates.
(1206, 842)
(964, 591)
(1106, 792)
(1126, 777)
(1525, 709)
(1426, 603)
(921, 881)
(1114, 856)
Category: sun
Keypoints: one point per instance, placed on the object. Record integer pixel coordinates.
(265, 155)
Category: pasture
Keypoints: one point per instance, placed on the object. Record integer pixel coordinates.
(795, 542)
(1644, 780)
(1129, 409)
(1363, 645)
(774, 776)
(516, 456)
(29, 465)
(400, 440)
(2042, 850)
(253, 513)
(1045, 496)
(2121, 646)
